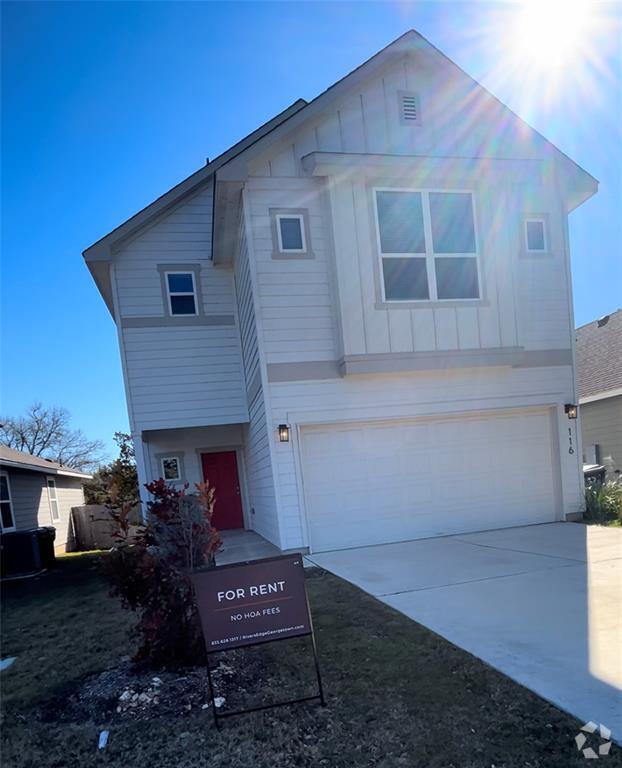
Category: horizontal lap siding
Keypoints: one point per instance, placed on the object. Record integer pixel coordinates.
(190, 373)
(257, 459)
(70, 494)
(259, 474)
(601, 424)
(246, 312)
(179, 376)
(30, 500)
(31, 506)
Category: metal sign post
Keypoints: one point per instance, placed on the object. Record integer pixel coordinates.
(254, 603)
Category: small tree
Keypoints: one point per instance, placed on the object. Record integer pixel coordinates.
(151, 572)
(47, 432)
(115, 484)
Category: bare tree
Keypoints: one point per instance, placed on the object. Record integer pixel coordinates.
(47, 432)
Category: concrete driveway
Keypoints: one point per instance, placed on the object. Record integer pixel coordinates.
(542, 603)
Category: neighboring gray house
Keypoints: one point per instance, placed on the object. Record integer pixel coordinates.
(357, 321)
(36, 492)
(599, 376)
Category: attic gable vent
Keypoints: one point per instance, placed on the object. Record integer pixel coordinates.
(409, 107)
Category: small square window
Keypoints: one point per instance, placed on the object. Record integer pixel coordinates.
(171, 470)
(291, 234)
(535, 236)
(181, 291)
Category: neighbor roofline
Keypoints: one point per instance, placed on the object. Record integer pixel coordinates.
(51, 470)
(606, 394)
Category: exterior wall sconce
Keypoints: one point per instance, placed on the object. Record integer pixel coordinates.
(570, 410)
(283, 433)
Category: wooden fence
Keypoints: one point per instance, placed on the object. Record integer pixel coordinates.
(93, 526)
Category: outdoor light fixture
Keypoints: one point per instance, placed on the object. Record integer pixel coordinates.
(570, 410)
(283, 433)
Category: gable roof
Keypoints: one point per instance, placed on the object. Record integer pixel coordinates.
(98, 255)
(599, 358)
(10, 458)
(285, 122)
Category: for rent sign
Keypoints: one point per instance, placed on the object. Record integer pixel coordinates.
(252, 603)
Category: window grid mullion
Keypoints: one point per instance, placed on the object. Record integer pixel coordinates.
(429, 245)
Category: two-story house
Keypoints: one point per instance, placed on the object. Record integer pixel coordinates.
(357, 322)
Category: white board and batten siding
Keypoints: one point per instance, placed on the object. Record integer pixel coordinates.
(367, 121)
(263, 515)
(178, 375)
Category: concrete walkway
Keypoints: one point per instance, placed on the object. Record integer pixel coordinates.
(241, 546)
(542, 603)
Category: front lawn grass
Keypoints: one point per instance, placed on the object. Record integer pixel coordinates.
(398, 695)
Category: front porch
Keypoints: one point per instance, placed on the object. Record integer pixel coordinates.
(229, 458)
(240, 546)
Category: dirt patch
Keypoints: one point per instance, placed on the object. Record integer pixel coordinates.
(130, 691)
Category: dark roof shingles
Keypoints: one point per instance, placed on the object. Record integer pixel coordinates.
(599, 356)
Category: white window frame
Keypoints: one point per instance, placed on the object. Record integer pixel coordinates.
(303, 238)
(49, 479)
(429, 254)
(8, 501)
(532, 220)
(192, 293)
(179, 477)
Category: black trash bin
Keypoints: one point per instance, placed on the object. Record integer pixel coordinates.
(23, 553)
(46, 535)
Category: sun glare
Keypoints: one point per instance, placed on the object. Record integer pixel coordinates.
(550, 33)
(544, 52)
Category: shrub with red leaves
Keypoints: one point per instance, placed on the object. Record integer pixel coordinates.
(151, 572)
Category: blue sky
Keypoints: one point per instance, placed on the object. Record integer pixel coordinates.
(105, 106)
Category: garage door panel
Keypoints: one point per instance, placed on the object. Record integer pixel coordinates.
(369, 483)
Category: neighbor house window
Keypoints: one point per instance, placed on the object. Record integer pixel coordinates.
(6, 505)
(291, 233)
(535, 235)
(171, 468)
(182, 294)
(53, 499)
(427, 244)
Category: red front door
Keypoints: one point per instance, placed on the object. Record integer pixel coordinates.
(220, 470)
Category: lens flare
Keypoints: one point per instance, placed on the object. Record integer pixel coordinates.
(550, 33)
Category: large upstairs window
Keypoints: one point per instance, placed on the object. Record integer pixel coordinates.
(427, 244)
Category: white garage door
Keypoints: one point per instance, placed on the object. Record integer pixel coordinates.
(374, 482)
